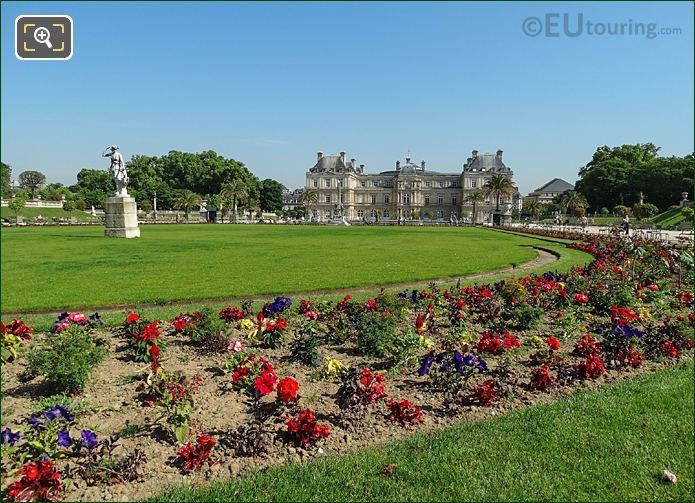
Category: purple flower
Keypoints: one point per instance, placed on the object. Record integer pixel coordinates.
(425, 367)
(59, 412)
(482, 365)
(89, 439)
(95, 319)
(9, 437)
(35, 422)
(64, 439)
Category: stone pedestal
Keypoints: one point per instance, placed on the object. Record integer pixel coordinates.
(121, 217)
(341, 222)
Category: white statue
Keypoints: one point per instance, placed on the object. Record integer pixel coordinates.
(117, 170)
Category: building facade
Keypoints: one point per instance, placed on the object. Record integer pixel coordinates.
(292, 199)
(408, 192)
(547, 192)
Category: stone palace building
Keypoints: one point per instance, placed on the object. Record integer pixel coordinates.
(409, 191)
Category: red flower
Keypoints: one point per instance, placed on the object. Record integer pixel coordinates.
(40, 482)
(591, 368)
(669, 349)
(304, 429)
(287, 389)
(265, 382)
(132, 318)
(540, 379)
(404, 412)
(582, 298)
(195, 457)
(154, 352)
(653, 288)
(553, 343)
(484, 395)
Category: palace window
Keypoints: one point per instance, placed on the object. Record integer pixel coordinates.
(387, 199)
(386, 214)
(428, 184)
(440, 199)
(474, 183)
(453, 201)
(328, 182)
(373, 213)
(441, 184)
(327, 213)
(427, 200)
(406, 198)
(360, 213)
(364, 184)
(328, 198)
(340, 182)
(373, 198)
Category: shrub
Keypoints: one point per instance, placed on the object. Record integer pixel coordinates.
(526, 317)
(66, 360)
(376, 334)
(305, 350)
(210, 332)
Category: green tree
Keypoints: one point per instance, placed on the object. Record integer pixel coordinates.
(186, 200)
(309, 199)
(498, 186)
(532, 208)
(94, 186)
(70, 207)
(270, 195)
(617, 175)
(474, 198)
(251, 205)
(6, 179)
(234, 191)
(646, 210)
(571, 201)
(16, 205)
(621, 210)
(31, 181)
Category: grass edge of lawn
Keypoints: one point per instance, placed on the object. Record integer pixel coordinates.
(617, 464)
(567, 258)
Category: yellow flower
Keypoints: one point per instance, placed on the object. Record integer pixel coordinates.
(333, 368)
(536, 341)
(425, 343)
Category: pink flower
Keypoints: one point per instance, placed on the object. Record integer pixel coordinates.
(235, 346)
(62, 326)
(77, 318)
(653, 288)
(311, 315)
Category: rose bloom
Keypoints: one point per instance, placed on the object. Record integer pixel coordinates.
(311, 315)
(264, 384)
(582, 297)
(235, 346)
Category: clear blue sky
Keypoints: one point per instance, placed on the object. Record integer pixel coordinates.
(271, 84)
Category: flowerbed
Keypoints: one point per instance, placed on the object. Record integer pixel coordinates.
(208, 395)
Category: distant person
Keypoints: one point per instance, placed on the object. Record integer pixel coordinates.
(626, 225)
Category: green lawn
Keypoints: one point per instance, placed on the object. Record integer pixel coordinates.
(47, 213)
(607, 445)
(668, 218)
(59, 268)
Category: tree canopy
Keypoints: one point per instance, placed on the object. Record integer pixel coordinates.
(270, 195)
(31, 180)
(617, 175)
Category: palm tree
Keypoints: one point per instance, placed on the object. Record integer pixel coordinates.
(186, 200)
(571, 201)
(236, 190)
(498, 186)
(533, 207)
(308, 198)
(475, 198)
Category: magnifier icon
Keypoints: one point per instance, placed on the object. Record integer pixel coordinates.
(43, 36)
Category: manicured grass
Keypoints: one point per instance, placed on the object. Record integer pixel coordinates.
(47, 213)
(668, 218)
(70, 268)
(607, 445)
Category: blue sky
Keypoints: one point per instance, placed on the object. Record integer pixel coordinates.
(271, 84)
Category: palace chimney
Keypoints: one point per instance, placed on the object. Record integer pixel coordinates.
(319, 155)
(398, 165)
(422, 164)
(342, 157)
(499, 153)
(474, 154)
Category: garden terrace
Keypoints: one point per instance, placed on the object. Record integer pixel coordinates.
(212, 394)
